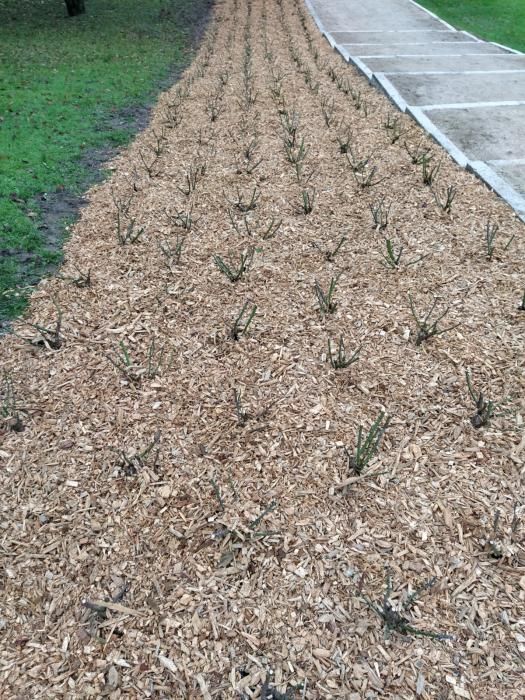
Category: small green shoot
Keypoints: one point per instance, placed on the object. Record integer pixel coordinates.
(484, 409)
(339, 359)
(149, 164)
(246, 205)
(184, 219)
(328, 109)
(272, 228)
(232, 273)
(395, 621)
(9, 410)
(123, 362)
(243, 321)
(155, 360)
(501, 540)
(445, 199)
(429, 172)
(426, 327)
(131, 464)
(258, 520)
(276, 85)
(312, 84)
(393, 127)
(327, 305)
(297, 153)
(491, 233)
(83, 279)
(195, 172)
(343, 84)
(242, 415)
(367, 445)
(358, 100)
(290, 124)
(367, 177)
(308, 200)
(214, 105)
(390, 122)
(357, 163)
(391, 259)
(418, 154)
(173, 115)
(50, 338)
(329, 255)
(380, 214)
(332, 74)
(160, 142)
(247, 162)
(344, 139)
(250, 148)
(172, 254)
(127, 233)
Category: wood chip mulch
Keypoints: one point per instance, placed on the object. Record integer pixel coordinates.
(181, 512)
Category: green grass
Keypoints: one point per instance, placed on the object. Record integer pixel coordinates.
(502, 21)
(61, 82)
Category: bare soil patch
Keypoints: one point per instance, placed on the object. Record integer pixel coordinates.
(185, 510)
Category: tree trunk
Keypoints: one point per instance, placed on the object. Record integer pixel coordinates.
(75, 7)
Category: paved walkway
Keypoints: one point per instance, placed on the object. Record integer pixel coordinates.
(469, 94)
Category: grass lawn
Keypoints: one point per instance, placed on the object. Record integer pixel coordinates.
(496, 20)
(63, 83)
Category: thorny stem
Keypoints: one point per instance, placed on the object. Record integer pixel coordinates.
(392, 619)
(426, 328)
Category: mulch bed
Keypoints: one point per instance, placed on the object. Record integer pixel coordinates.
(180, 517)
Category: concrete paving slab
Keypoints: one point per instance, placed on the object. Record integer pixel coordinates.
(484, 133)
(381, 80)
(499, 185)
(439, 136)
(339, 15)
(362, 67)
(444, 48)
(468, 94)
(514, 173)
(354, 60)
(411, 36)
(419, 90)
(421, 64)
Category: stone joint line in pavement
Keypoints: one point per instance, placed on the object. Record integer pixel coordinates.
(467, 93)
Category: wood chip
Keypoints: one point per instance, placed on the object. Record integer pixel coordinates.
(227, 547)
